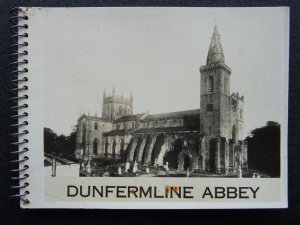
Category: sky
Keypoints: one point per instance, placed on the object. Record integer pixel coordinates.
(155, 53)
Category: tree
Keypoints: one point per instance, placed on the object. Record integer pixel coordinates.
(49, 140)
(264, 149)
(59, 144)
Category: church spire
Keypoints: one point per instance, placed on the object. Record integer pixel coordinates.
(215, 53)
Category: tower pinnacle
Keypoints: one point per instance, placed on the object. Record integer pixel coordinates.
(215, 53)
(114, 91)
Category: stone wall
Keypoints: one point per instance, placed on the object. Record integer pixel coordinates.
(89, 139)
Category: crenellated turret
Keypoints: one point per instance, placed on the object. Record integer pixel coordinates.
(115, 106)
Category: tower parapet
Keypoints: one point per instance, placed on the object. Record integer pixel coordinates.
(117, 99)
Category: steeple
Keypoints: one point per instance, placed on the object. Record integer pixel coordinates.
(215, 53)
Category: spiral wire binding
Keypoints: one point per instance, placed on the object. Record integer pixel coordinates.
(19, 71)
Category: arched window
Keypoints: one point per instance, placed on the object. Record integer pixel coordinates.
(122, 145)
(96, 126)
(114, 149)
(106, 148)
(120, 110)
(210, 84)
(225, 84)
(83, 136)
(210, 131)
(234, 133)
(95, 146)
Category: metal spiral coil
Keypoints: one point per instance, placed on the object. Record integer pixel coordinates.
(19, 80)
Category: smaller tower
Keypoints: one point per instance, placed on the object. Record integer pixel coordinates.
(115, 106)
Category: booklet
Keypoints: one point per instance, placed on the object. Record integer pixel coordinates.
(152, 108)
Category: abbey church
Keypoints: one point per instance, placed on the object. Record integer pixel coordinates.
(208, 139)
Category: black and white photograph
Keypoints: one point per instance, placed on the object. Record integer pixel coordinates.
(165, 93)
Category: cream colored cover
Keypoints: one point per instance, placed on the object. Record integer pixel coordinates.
(87, 63)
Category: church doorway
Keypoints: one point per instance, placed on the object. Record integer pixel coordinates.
(186, 162)
(172, 156)
(95, 147)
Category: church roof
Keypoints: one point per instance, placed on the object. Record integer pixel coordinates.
(215, 53)
(172, 115)
(129, 118)
(94, 118)
(165, 130)
(115, 132)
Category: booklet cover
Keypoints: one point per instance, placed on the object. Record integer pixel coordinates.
(155, 108)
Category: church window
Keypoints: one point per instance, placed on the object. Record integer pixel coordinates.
(96, 126)
(106, 149)
(209, 107)
(211, 98)
(95, 146)
(210, 84)
(84, 136)
(114, 144)
(234, 133)
(210, 131)
(225, 85)
(122, 145)
(241, 114)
